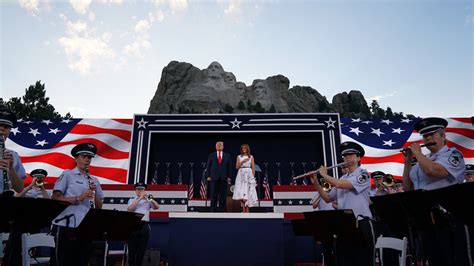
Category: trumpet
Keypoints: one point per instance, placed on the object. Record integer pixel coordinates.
(39, 181)
(149, 197)
(422, 145)
(330, 167)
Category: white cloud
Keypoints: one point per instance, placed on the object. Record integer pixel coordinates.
(30, 5)
(118, 2)
(80, 6)
(158, 16)
(63, 17)
(175, 6)
(178, 6)
(34, 7)
(141, 39)
(380, 97)
(84, 50)
(234, 8)
(91, 16)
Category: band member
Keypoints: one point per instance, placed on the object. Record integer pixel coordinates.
(379, 188)
(219, 170)
(83, 191)
(10, 163)
(36, 188)
(12, 174)
(398, 184)
(141, 203)
(245, 182)
(469, 175)
(351, 191)
(442, 167)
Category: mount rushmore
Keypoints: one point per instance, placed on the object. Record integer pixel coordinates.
(184, 88)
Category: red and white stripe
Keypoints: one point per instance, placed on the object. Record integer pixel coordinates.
(459, 134)
(191, 190)
(203, 189)
(266, 188)
(110, 165)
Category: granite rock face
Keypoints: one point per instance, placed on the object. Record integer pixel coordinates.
(184, 88)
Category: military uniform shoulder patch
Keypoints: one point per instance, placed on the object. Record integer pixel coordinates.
(455, 158)
(362, 178)
(60, 177)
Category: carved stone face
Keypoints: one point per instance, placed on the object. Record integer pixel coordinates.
(260, 89)
(229, 77)
(215, 70)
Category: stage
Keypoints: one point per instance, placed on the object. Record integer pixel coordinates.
(230, 239)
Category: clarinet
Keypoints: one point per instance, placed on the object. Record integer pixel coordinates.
(7, 191)
(91, 185)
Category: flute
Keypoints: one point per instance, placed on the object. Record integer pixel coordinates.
(421, 146)
(330, 167)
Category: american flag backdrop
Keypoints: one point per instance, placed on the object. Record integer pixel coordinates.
(47, 143)
(382, 140)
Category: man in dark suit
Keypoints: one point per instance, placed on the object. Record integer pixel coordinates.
(219, 170)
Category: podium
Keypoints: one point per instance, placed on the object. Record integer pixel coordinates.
(28, 214)
(108, 225)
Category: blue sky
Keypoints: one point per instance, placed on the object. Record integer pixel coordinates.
(104, 58)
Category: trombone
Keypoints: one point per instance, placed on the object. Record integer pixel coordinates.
(387, 182)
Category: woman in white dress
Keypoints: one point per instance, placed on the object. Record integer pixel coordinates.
(245, 183)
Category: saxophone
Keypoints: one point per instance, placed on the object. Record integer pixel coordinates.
(91, 185)
(7, 191)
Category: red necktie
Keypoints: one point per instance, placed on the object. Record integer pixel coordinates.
(219, 157)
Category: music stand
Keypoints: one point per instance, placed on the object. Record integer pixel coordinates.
(322, 226)
(457, 200)
(100, 224)
(404, 213)
(28, 214)
(108, 225)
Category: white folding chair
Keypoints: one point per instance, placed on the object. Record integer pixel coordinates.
(35, 240)
(392, 243)
(122, 252)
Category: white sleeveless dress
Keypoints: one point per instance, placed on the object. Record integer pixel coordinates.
(245, 183)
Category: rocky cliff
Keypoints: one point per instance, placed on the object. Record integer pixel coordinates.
(184, 88)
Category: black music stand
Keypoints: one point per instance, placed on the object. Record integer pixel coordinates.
(457, 200)
(108, 225)
(323, 227)
(406, 214)
(28, 214)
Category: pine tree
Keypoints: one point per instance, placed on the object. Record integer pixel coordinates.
(34, 104)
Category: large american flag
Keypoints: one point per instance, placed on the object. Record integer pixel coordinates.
(47, 143)
(382, 140)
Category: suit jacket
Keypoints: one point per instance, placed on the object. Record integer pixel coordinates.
(219, 171)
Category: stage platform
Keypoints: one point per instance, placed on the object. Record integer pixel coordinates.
(230, 239)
